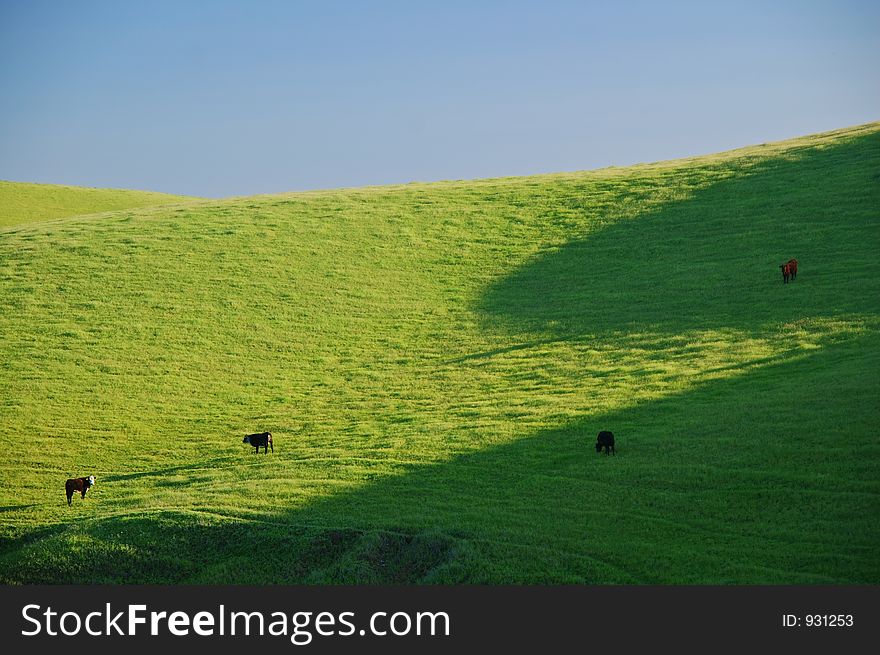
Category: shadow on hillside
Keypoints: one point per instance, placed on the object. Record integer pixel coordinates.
(709, 261)
(658, 512)
(738, 528)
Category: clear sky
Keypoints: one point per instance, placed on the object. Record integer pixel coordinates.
(222, 98)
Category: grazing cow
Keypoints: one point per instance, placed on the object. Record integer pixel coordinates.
(786, 273)
(605, 440)
(81, 485)
(789, 270)
(263, 439)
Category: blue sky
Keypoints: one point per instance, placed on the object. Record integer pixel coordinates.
(231, 98)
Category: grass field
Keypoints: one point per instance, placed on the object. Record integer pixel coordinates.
(23, 202)
(434, 362)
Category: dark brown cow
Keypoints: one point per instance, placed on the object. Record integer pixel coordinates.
(81, 485)
(789, 270)
(786, 273)
(261, 439)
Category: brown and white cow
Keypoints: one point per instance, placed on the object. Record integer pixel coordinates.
(81, 485)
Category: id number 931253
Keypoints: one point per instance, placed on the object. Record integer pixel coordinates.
(818, 620)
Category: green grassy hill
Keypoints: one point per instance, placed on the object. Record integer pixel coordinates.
(434, 362)
(22, 202)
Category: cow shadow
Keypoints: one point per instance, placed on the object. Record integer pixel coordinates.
(13, 508)
(169, 470)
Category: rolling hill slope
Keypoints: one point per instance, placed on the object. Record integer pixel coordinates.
(23, 202)
(434, 362)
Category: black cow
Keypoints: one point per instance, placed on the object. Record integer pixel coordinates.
(81, 485)
(605, 440)
(261, 439)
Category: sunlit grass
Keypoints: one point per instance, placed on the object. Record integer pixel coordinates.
(23, 202)
(434, 362)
